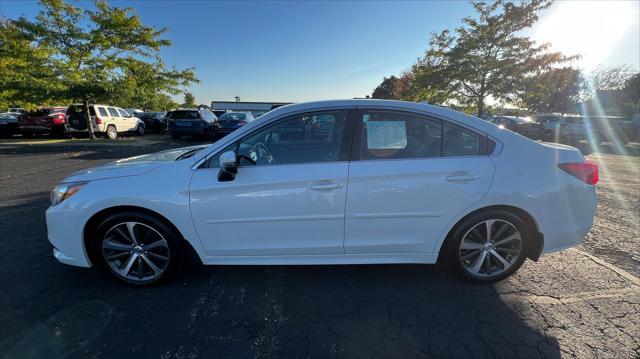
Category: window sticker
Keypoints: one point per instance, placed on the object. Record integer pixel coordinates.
(382, 135)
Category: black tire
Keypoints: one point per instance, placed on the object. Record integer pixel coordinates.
(176, 245)
(456, 236)
(140, 130)
(111, 132)
(175, 137)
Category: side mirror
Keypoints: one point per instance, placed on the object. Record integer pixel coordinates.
(228, 166)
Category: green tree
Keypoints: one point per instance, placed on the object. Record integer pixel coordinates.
(488, 57)
(143, 86)
(386, 89)
(189, 100)
(554, 90)
(430, 80)
(97, 51)
(28, 75)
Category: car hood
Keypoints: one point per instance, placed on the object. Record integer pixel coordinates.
(133, 166)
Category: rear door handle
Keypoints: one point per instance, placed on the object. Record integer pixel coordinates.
(461, 178)
(325, 186)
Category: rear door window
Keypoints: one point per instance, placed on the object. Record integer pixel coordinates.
(398, 135)
(113, 112)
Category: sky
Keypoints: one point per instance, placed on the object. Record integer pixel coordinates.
(302, 50)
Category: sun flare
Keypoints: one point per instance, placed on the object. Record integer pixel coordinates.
(587, 28)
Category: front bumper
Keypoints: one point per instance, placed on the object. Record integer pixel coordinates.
(65, 233)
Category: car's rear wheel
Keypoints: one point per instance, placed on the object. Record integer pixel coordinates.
(488, 246)
(137, 248)
(140, 130)
(112, 132)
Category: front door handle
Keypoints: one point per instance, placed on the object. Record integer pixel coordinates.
(325, 186)
(461, 178)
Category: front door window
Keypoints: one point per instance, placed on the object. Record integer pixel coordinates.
(308, 138)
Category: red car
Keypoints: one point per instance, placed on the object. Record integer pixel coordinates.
(51, 120)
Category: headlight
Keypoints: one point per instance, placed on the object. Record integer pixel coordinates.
(64, 191)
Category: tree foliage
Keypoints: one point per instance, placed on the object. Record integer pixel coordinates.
(104, 54)
(554, 90)
(386, 89)
(486, 57)
(28, 74)
(189, 100)
(604, 78)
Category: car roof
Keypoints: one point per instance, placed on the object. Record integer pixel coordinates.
(438, 111)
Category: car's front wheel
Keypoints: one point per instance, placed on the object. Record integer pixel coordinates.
(138, 249)
(489, 246)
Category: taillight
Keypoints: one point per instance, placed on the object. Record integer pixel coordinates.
(98, 121)
(58, 118)
(586, 172)
(242, 123)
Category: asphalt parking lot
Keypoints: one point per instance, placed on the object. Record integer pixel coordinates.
(583, 302)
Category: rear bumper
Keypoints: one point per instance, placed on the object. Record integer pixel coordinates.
(186, 130)
(43, 129)
(565, 224)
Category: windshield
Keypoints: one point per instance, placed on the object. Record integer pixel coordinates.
(234, 116)
(187, 115)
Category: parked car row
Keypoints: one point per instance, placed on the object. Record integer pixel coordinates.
(111, 121)
(594, 129)
(204, 123)
(570, 128)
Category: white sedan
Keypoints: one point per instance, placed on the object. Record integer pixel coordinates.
(332, 182)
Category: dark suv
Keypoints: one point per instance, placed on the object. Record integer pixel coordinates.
(191, 122)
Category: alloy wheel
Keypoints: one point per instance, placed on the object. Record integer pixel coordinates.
(490, 248)
(136, 252)
(112, 133)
